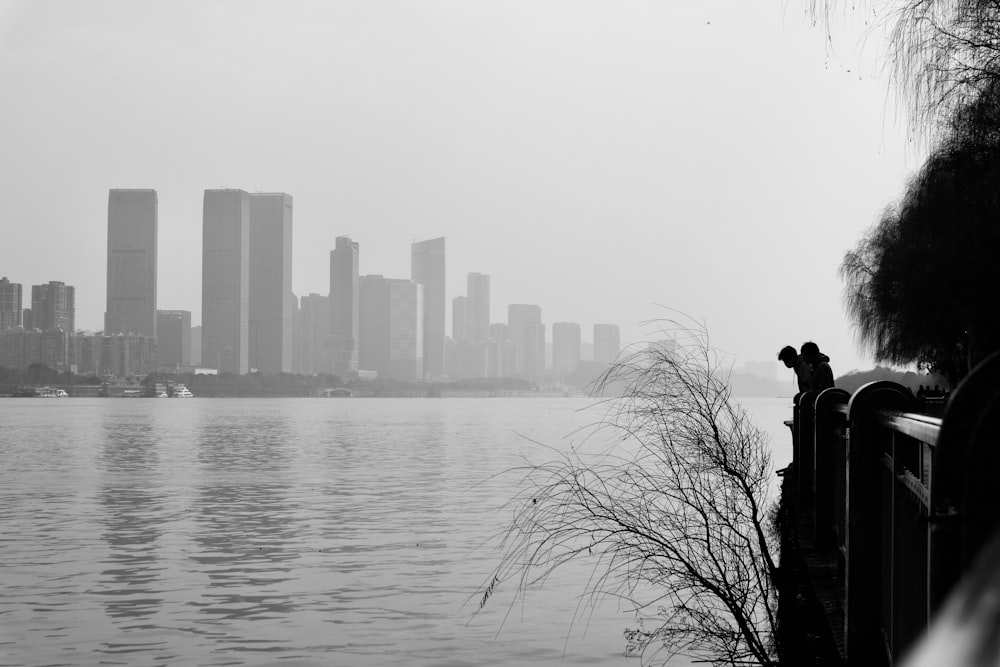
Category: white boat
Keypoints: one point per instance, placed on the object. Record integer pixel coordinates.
(180, 391)
(49, 392)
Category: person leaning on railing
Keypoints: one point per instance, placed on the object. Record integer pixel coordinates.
(812, 367)
(822, 373)
(803, 372)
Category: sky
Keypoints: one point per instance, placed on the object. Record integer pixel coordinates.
(620, 161)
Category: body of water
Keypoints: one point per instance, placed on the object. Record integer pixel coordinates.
(285, 532)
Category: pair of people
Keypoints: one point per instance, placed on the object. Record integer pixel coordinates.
(812, 367)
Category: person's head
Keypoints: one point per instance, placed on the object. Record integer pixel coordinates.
(810, 351)
(787, 356)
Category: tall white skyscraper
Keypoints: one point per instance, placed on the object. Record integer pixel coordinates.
(131, 276)
(225, 281)
(271, 300)
(344, 319)
(427, 268)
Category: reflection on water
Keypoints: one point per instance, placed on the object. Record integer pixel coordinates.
(245, 532)
(245, 520)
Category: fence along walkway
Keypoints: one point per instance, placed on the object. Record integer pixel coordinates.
(903, 502)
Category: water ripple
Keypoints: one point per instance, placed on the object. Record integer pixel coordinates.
(245, 532)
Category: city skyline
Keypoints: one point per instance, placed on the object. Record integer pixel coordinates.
(600, 169)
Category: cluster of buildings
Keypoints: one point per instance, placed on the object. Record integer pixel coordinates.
(364, 326)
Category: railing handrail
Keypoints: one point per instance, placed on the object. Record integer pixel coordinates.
(914, 424)
(860, 459)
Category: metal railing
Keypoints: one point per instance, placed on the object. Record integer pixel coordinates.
(902, 499)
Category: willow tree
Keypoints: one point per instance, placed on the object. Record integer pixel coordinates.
(942, 55)
(922, 283)
(674, 516)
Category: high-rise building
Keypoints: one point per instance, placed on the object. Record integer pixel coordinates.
(460, 329)
(271, 307)
(478, 291)
(131, 278)
(501, 353)
(196, 345)
(373, 324)
(296, 336)
(315, 313)
(607, 343)
(427, 268)
(10, 304)
(225, 281)
(344, 306)
(406, 335)
(173, 338)
(53, 306)
(19, 348)
(391, 326)
(527, 333)
(565, 347)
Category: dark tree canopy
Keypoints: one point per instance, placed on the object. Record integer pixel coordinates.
(922, 283)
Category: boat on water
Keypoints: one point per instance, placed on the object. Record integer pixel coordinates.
(51, 392)
(180, 391)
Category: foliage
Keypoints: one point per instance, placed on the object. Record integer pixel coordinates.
(920, 284)
(943, 55)
(673, 515)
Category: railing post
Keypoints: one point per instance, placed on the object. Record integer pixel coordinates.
(795, 430)
(863, 638)
(965, 497)
(805, 454)
(829, 436)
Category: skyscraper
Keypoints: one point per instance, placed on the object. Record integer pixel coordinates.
(373, 324)
(460, 325)
(565, 347)
(315, 333)
(427, 267)
(391, 315)
(53, 306)
(225, 280)
(173, 338)
(271, 306)
(607, 343)
(131, 279)
(478, 291)
(10, 304)
(344, 306)
(527, 333)
(406, 336)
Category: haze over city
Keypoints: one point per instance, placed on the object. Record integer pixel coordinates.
(601, 160)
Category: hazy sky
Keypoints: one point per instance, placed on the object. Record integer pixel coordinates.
(600, 159)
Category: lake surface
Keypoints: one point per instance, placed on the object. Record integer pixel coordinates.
(285, 532)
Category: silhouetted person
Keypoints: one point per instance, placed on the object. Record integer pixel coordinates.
(803, 372)
(938, 392)
(921, 392)
(822, 373)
